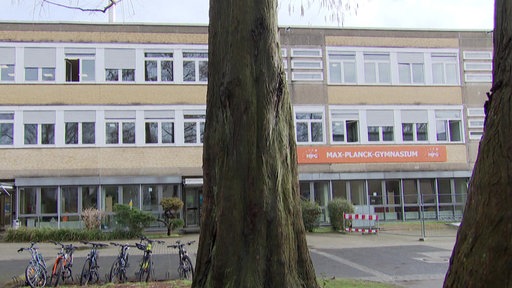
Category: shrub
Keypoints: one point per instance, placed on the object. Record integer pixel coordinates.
(24, 234)
(92, 218)
(311, 212)
(171, 207)
(132, 218)
(336, 208)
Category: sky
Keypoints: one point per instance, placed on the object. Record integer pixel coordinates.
(402, 14)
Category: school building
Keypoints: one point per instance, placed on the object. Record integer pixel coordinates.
(97, 114)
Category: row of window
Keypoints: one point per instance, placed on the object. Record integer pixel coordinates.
(118, 127)
(108, 65)
(397, 67)
(348, 125)
(352, 66)
(393, 199)
(352, 125)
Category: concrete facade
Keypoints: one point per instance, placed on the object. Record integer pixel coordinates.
(448, 73)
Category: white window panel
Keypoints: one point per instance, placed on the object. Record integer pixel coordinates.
(476, 123)
(477, 66)
(476, 135)
(476, 112)
(478, 77)
(303, 52)
(307, 76)
(306, 64)
(477, 55)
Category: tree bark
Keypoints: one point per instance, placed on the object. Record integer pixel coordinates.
(482, 256)
(252, 233)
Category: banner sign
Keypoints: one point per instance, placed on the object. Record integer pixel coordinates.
(370, 154)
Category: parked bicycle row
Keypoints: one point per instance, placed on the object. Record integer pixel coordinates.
(38, 274)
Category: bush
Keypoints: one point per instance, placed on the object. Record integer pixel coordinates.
(171, 207)
(311, 212)
(132, 218)
(336, 208)
(24, 234)
(92, 218)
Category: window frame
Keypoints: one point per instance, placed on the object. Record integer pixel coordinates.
(309, 122)
(159, 59)
(197, 66)
(7, 120)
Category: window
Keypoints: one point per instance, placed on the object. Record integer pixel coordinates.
(89, 197)
(40, 64)
(80, 64)
(342, 67)
(28, 200)
(6, 128)
(345, 126)
(39, 127)
(131, 195)
(193, 127)
(444, 68)
(48, 200)
(414, 125)
(377, 68)
(309, 127)
(159, 127)
(69, 199)
(195, 66)
(380, 125)
(7, 61)
(119, 65)
(410, 68)
(158, 67)
(120, 127)
(448, 125)
(80, 127)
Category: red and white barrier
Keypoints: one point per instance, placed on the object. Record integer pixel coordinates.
(361, 217)
(366, 217)
(362, 230)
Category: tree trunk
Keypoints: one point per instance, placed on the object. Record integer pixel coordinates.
(252, 233)
(482, 256)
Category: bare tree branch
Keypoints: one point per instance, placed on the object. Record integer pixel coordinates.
(105, 9)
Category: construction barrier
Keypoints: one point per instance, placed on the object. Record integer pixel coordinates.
(371, 218)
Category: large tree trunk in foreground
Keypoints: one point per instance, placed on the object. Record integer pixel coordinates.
(252, 233)
(482, 256)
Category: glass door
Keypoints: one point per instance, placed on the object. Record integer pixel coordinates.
(193, 196)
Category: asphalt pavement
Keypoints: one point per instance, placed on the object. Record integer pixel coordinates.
(391, 256)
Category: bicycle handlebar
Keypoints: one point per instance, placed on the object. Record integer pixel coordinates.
(179, 244)
(144, 238)
(69, 247)
(95, 244)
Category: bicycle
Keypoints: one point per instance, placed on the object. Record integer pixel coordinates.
(35, 273)
(118, 269)
(185, 268)
(146, 265)
(62, 266)
(90, 270)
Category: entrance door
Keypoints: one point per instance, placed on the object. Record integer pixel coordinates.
(193, 197)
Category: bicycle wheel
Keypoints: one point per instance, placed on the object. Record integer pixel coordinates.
(86, 272)
(188, 268)
(116, 273)
(35, 275)
(57, 271)
(145, 270)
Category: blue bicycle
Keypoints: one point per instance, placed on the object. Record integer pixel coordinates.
(35, 273)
